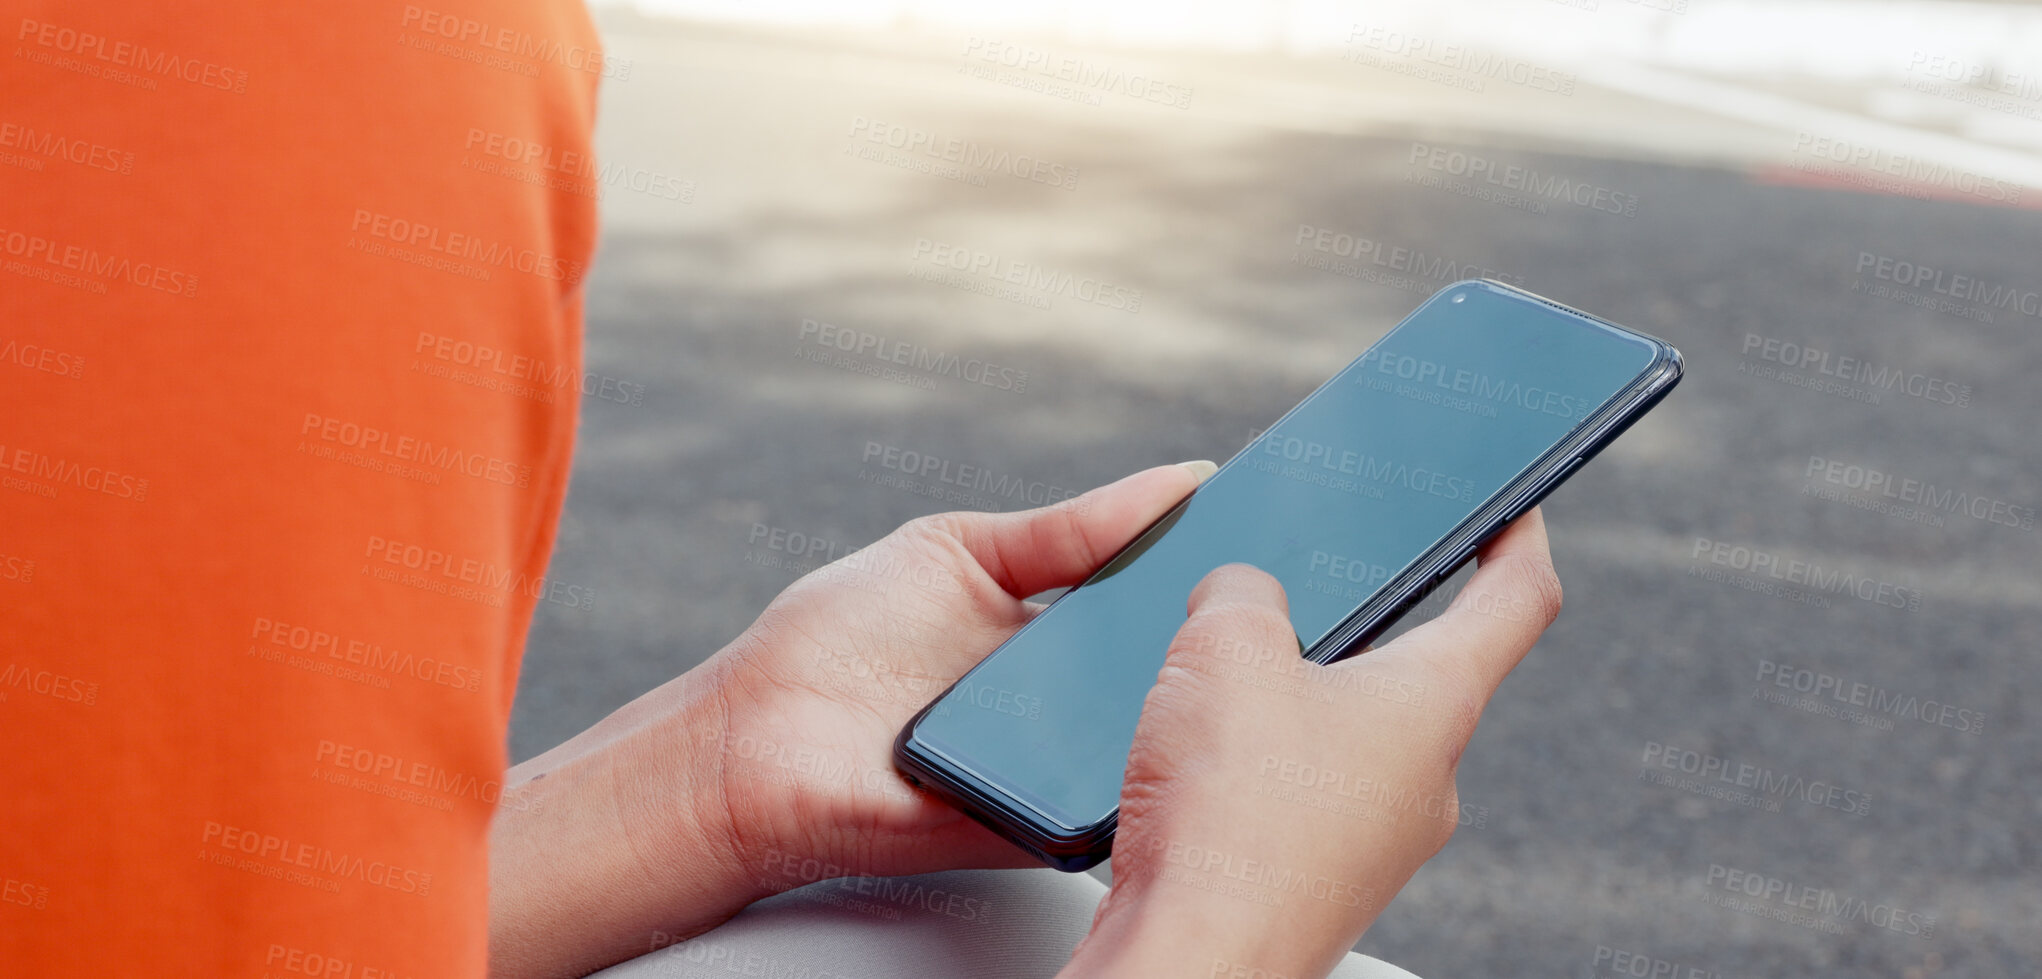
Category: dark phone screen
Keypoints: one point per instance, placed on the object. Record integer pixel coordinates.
(1360, 481)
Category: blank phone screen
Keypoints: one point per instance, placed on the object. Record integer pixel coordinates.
(1359, 482)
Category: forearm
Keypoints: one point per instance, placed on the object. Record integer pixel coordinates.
(613, 843)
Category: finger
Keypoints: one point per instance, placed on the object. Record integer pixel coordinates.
(1512, 598)
(1237, 585)
(1238, 610)
(1032, 551)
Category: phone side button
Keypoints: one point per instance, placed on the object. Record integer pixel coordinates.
(1445, 572)
(1532, 499)
(1460, 558)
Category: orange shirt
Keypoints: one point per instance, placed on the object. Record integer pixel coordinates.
(290, 317)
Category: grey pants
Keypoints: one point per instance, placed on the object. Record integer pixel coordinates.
(983, 924)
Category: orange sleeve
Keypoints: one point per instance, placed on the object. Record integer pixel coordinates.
(290, 319)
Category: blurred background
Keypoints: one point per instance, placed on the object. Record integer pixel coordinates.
(1830, 207)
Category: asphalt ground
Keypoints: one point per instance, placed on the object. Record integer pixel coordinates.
(1706, 230)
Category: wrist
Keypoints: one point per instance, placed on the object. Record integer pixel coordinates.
(802, 802)
(617, 842)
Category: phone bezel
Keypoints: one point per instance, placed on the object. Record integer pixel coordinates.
(1077, 848)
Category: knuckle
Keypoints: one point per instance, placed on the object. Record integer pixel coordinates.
(930, 525)
(1447, 820)
(1177, 672)
(1146, 790)
(1241, 620)
(1192, 654)
(1459, 711)
(1077, 533)
(1453, 708)
(1243, 633)
(1534, 585)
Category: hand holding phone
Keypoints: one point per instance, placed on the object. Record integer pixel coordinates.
(1360, 500)
(1272, 806)
(769, 766)
(794, 763)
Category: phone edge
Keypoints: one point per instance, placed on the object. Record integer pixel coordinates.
(1089, 846)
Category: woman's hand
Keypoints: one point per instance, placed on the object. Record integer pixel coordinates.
(817, 689)
(771, 765)
(1273, 806)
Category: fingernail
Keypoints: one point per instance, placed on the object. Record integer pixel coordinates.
(1200, 468)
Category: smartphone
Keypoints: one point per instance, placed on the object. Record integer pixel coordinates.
(1360, 500)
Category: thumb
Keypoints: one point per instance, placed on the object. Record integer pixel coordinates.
(1032, 551)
